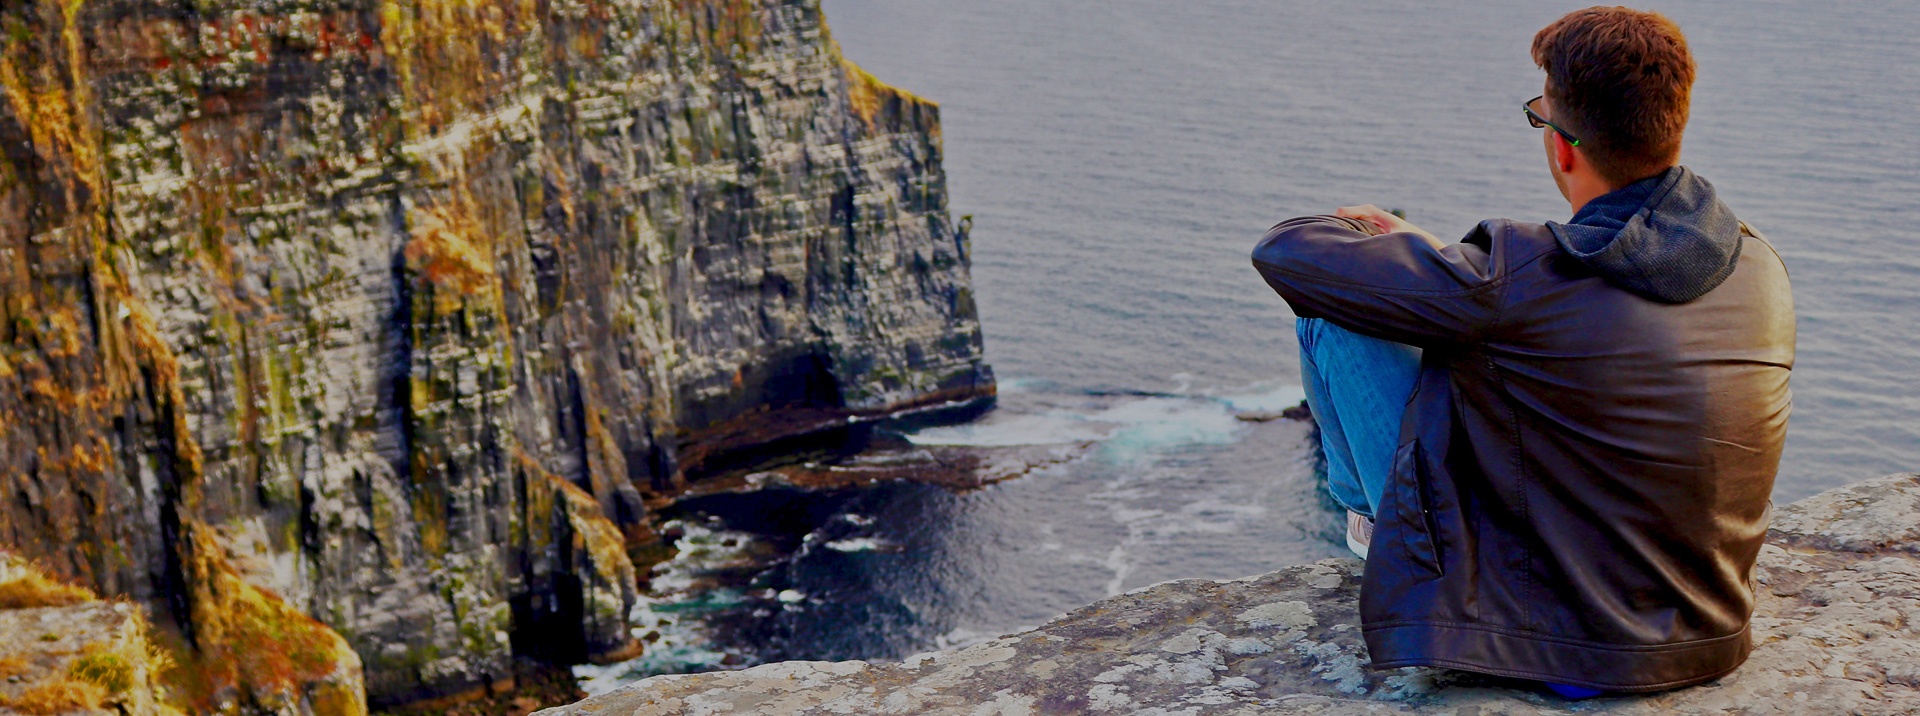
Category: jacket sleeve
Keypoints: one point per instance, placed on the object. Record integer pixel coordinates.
(1397, 286)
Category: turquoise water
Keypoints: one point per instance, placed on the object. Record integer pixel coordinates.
(1120, 157)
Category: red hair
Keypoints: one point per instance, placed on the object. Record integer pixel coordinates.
(1622, 81)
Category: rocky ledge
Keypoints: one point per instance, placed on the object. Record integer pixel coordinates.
(1837, 630)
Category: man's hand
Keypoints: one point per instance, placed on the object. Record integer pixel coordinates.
(1388, 223)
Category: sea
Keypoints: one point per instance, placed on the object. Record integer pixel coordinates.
(1119, 158)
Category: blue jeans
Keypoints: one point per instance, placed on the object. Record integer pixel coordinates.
(1357, 387)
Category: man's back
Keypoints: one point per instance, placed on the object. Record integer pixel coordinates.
(1654, 431)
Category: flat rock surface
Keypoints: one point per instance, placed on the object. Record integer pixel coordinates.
(1837, 630)
(1873, 516)
(39, 647)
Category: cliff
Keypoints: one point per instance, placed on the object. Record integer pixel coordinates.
(404, 315)
(1835, 632)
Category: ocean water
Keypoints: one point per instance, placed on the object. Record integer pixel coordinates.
(1154, 487)
(1120, 157)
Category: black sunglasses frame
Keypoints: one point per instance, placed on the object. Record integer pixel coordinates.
(1540, 122)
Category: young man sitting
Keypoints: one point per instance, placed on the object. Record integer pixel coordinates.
(1557, 442)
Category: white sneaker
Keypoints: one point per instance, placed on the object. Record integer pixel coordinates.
(1359, 534)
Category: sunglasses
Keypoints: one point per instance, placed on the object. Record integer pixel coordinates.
(1540, 122)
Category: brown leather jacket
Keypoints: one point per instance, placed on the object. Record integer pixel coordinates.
(1583, 476)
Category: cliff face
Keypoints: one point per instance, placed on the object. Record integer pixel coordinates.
(403, 313)
(1834, 631)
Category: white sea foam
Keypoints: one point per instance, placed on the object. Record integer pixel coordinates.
(1051, 428)
(701, 550)
(1155, 425)
(1135, 427)
(675, 643)
(1272, 399)
(859, 544)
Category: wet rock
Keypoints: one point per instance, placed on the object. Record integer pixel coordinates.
(1832, 633)
(1294, 412)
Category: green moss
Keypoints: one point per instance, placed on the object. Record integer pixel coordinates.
(887, 376)
(107, 669)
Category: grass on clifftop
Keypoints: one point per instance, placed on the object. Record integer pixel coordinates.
(23, 586)
(37, 590)
(58, 696)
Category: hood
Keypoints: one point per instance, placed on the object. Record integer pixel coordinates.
(1666, 238)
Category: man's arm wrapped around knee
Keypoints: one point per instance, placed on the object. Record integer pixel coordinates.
(1401, 286)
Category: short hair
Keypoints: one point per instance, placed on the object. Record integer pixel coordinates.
(1621, 80)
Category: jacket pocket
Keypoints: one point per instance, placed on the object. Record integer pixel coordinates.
(1414, 506)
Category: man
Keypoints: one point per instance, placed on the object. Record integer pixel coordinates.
(1561, 438)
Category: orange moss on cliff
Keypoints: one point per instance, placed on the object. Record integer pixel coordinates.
(865, 93)
(68, 373)
(442, 52)
(451, 253)
(867, 96)
(54, 107)
(725, 27)
(58, 696)
(31, 588)
(251, 644)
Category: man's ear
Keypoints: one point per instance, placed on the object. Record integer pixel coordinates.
(1564, 155)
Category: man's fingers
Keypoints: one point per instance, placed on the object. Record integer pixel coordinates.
(1368, 213)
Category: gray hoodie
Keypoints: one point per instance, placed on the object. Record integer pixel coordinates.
(1666, 237)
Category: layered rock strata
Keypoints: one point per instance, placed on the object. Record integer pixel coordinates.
(1837, 630)
(405, 314)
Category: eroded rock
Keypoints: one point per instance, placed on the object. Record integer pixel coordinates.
(1833, 631)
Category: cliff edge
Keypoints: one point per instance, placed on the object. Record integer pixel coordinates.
(1837, 630)
(406, 315)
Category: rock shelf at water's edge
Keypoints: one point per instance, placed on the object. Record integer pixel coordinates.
(1836, 630)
